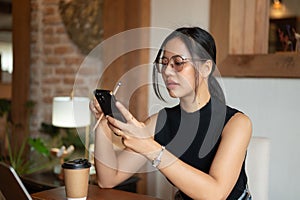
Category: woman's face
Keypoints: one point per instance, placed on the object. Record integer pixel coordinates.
(179, 84)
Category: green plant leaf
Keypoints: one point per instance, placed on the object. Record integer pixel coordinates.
(18, 156)
(38, 145)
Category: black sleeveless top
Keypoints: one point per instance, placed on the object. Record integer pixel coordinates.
(195, 137)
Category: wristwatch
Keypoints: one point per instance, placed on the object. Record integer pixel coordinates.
(156, 161)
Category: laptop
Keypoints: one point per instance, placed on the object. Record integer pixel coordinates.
(11, 186)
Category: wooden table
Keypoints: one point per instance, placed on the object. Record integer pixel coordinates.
(94, 193)
(46, 180)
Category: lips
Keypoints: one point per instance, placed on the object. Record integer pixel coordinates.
(171, 84)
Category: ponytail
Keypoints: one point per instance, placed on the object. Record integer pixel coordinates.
(215, 88)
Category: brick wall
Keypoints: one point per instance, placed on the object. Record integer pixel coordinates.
(55, 61)
(57, 64)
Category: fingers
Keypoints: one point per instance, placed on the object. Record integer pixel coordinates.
(118, 127)
(123, 141)
(114, 124)
(98, 122)
(118, 132)
(96, 105)
(128, 116)
(95, 108)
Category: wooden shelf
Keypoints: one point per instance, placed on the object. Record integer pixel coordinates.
(240, 28)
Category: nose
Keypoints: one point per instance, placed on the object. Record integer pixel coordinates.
(169, 68)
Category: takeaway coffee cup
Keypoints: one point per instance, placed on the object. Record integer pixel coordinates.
(76, 177)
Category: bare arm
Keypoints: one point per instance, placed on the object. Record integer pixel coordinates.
(225, 168)
(114, 167)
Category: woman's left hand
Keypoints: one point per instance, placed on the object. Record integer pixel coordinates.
(135, 135)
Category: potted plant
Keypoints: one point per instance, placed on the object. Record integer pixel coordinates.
(17, 156)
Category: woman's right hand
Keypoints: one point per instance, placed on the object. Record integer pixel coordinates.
(95, 108)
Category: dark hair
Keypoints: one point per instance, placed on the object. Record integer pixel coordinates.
(200, 44)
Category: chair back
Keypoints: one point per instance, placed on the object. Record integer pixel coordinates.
(257, 167)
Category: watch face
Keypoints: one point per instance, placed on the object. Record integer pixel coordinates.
(155, 162)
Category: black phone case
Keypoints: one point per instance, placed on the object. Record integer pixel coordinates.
(107, 102)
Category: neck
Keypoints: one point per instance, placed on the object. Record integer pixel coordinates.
(191, 104)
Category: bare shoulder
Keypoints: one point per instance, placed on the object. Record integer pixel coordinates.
(240, 119)
(238, 125)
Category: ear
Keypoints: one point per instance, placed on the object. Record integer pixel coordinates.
(206, 68)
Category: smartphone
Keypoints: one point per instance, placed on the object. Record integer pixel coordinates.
(107, 102)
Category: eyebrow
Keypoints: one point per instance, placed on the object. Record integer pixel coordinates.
(182, 56)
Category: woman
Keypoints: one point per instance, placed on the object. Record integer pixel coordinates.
(199, 145)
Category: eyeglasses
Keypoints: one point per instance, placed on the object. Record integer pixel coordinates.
(177, 63)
